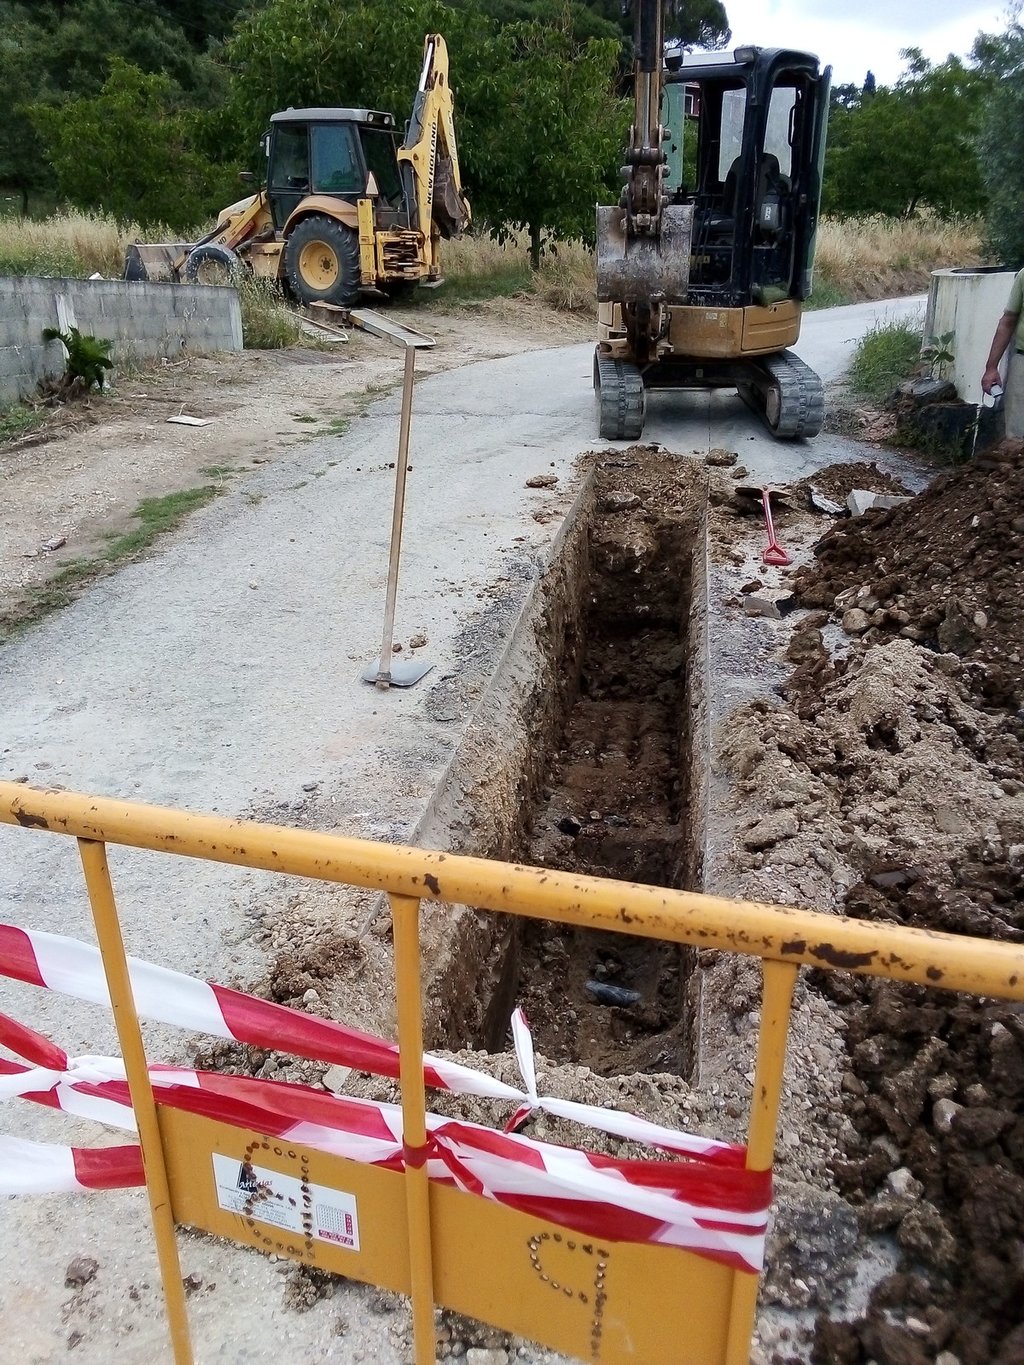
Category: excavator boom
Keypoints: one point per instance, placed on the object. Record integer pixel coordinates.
(643, 242)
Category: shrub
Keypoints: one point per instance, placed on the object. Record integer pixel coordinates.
(267, 324)
(885, 356)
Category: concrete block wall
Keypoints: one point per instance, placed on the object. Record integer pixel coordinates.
(144, 321)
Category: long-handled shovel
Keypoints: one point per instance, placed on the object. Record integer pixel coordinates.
(774, 554)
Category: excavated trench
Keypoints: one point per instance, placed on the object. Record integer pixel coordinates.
(604, 782)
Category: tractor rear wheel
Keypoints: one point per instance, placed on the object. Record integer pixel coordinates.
(322, 261)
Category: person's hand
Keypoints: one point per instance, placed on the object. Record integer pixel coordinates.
(991, 379)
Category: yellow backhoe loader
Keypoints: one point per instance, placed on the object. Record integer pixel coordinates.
(345, 206)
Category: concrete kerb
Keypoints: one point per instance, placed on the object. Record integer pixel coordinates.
(143, 321)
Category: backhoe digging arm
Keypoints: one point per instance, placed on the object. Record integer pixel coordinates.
(429, 156)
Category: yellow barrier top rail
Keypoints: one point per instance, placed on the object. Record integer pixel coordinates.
(778, 933)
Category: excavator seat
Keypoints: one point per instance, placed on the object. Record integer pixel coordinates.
(772, 187)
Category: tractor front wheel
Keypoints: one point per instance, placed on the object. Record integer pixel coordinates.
(212, 263)
(322, 261)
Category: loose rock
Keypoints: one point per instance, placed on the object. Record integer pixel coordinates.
(82, 1270)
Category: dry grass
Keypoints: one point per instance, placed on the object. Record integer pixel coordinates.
(478, 267)
(879, 258)
(858, 259)
(68, 244)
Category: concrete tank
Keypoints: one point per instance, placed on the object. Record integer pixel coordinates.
(969, 303)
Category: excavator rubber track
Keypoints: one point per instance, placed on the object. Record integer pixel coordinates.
(791, 400)
(621, 398)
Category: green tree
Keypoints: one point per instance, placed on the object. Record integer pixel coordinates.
(128, 150)
(550, 148)
(895, 150)
(1000, 146)
(698, 23)
(52, 50)
(346, 52)
(540, 130)
(23, 166)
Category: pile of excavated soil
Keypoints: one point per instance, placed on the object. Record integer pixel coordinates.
(886, 784)
(936, 1086)
(945, 570)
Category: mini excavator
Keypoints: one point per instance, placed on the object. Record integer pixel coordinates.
(705, 262)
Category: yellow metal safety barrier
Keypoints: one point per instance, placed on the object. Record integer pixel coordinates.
(464, 1252)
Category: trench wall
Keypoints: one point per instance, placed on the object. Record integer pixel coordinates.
(144, 321)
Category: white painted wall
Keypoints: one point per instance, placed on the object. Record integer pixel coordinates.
(967, 303)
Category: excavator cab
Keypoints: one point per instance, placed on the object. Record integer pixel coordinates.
(705, 289)
(745, 148)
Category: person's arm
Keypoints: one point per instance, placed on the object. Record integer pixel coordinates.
(1005, 329)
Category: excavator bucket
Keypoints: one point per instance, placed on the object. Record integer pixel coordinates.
(639, 269)
(155, 260)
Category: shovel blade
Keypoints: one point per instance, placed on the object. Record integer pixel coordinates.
(155, 261)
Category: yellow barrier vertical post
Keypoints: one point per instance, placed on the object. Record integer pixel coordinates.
(126, 1021)
(776, 1005)
(405, 913)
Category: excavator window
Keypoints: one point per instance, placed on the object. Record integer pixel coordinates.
(730, 146)
(336, 162)
(379, 148)
(777, 139)
(289, 165)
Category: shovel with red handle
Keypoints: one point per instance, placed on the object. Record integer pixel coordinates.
(774, 554)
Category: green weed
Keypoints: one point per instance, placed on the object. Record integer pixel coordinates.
(267, 325)
(156, 516)
(826, 294)
(885, 356)
(18, 419)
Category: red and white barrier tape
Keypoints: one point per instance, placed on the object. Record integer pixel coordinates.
(717, 1211)
(169, 997)
(46, 1168)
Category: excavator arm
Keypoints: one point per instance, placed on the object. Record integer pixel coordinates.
(643, 243)
(429, 157)
(643, 197)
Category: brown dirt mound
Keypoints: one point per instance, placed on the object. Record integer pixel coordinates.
(945, 570)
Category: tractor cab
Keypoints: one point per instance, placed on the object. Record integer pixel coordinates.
(346, 154)
(746, 148)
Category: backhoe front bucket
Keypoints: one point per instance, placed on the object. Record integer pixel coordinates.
(644, 269)
(156, 260)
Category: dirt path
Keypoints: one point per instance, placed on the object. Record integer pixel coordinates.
(81, 478)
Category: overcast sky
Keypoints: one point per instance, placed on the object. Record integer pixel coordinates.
(867, 34)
